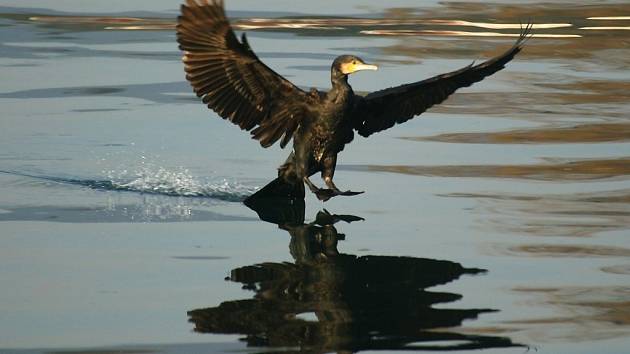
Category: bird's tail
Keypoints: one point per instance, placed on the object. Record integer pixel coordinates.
(279, 202)
(279, 188)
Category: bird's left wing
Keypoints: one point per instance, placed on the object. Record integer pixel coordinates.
(380, 110)
(231, 79)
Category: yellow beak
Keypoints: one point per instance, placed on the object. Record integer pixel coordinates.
(359, 67)
(349, 68)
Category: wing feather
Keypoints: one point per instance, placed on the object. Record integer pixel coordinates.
(383, 109)
(231, 79)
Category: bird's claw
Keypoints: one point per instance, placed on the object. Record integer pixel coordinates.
(324, 194)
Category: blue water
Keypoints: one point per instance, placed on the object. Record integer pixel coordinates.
(121, 220)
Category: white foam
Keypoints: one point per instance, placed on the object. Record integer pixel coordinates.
(150, 178)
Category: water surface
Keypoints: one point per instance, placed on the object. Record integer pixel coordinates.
(496, 221)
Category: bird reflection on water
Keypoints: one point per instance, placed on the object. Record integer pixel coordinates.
(330, 301)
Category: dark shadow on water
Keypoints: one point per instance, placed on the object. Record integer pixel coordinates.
(327, 301)
(161, 212)
(154, 92)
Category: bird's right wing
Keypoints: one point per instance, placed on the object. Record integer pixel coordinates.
(231, 79)
(383, 109)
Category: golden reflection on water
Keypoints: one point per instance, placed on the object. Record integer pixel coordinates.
(157, 27)
(617, 269)
(580, 251)
(608, 18)
(123, 22)
(580, 313)
(609, 28)
(567, 171)
(544, 97)
(489, 25)
(572, 215)
(569, 42)
(462, 33)
(586, 133)
(284, 23)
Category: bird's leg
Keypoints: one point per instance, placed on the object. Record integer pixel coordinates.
(301, 161)
(328, 171)
(330, 184)
(334, 190)
(310, 184)
(322, 194)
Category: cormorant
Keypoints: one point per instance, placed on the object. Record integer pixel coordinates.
(239, 87)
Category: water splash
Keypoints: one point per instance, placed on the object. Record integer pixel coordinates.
(152, 179)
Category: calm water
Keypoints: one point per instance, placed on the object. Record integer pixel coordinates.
(498, 221)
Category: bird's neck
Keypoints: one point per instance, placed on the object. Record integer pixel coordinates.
(339, 81)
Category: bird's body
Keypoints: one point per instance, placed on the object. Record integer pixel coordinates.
(317, 142)
(233, 82)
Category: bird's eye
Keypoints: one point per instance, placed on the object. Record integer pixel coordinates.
(354, 62)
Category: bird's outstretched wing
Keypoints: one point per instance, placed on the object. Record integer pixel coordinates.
(231, 79)
(382, 109)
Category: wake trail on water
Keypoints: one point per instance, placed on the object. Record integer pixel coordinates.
(158, 181)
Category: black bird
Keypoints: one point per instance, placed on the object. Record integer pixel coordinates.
(237, 85)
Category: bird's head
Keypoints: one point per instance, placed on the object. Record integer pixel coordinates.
(348, 64)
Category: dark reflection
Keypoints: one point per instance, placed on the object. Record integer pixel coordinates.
(327, 301)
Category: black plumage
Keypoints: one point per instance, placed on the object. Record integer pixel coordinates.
(237, 85)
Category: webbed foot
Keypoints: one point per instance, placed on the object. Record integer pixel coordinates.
(325, 194)
(350, 193)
